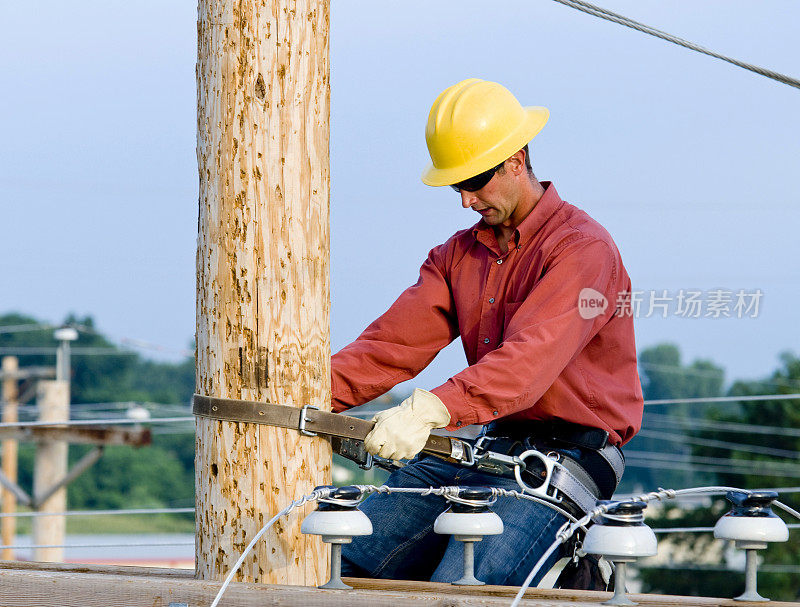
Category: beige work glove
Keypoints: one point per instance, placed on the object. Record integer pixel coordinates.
(402, 431)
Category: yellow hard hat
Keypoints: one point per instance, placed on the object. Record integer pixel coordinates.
(475, 125)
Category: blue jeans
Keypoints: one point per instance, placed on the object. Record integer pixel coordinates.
(403, 545)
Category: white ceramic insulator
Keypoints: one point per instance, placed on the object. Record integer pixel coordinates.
(468, 523)
(65, 334)
(618, 543)
(346, 523)
(138, 413)
(751, 528)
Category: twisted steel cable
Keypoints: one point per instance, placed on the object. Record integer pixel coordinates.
(608, 15)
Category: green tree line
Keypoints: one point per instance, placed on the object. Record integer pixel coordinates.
(157, 476)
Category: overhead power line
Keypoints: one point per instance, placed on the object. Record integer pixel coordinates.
(36, 514)
(124, 341)
(704, 567)
(718, 374)
(722, 399)
(25, 328)
(597, 11)
(717, 469)
(98, 422)
(704, 424)
(737, 466)
(708, 442)
(668, 530)
(74, 351)
(678, 370)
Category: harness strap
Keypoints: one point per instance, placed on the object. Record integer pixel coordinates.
(307, 420)
(574, 482)
(614, 458)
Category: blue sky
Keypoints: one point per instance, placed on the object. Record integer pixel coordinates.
(689, 162)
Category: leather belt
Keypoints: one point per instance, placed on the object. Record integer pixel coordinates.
(561, 479)
(311, 421)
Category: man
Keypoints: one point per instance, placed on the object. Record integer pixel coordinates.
(532, 290)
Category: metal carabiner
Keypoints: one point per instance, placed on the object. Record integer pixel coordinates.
(542, 490)
(480, 444)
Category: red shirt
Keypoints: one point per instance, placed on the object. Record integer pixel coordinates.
(533, 353)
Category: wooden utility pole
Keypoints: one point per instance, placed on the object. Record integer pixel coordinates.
(50, 466)
(262, 277)
(8, 525)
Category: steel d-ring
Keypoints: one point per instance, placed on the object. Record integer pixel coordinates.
(549, 465)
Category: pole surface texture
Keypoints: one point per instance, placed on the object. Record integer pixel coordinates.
(8, 525)
(263, 299)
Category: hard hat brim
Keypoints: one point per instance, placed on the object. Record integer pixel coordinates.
(535, 119)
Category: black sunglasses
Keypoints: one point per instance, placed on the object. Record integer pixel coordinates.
(473, 184)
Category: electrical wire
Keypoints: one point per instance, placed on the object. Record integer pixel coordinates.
(670, 421)
(668, 530)
(562, 536)
(763, 466)
(25, 328)
(74, 351)
(699, 567)
(542, 560)
(678, 370)
(313, 496)
(666, 465)
(568, 529)
(96, 422)
(126, 545)
(787, 509)
(448, 492)
(708, 442)
(606, 14)
(722, 399)
(99, 512)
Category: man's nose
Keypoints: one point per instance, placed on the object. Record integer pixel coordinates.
(467, 199)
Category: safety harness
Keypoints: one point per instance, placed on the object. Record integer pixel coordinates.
(548, 474)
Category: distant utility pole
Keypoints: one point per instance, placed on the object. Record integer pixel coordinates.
(64, 336)
(8, 525)
(50, 466)
(262, 277)
(51, 461)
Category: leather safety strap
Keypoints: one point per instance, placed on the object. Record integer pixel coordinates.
(306, 420)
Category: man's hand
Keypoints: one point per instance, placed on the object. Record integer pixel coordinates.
(402, 431)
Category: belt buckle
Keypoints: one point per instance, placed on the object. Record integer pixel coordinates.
(301, 428)
(462, 452)
(542, 490)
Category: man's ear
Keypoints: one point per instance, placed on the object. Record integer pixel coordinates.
(516, 163)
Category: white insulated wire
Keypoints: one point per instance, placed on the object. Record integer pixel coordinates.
(564, 533)
(567, 530)
(536, 568)
(313, 496)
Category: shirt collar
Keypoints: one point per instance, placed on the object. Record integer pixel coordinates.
(544, 209)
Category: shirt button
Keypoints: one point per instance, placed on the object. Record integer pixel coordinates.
(486, 341)
(495, 413)
(491, 300)
(499, 261)
(458, 424)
